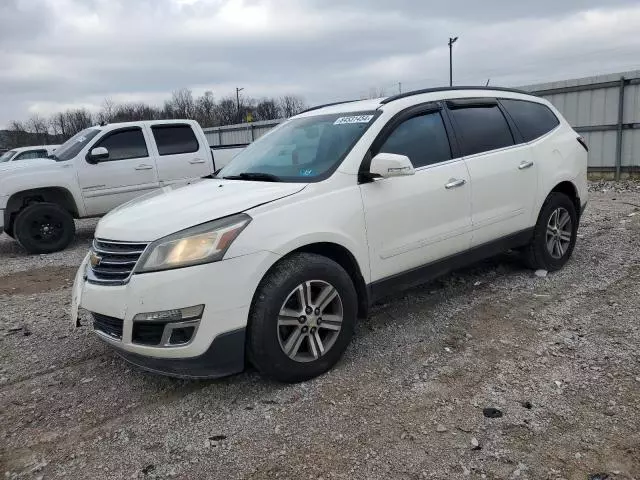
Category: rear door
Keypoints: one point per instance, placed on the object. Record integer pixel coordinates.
(503, 174)
(129, 171)
(180, 156)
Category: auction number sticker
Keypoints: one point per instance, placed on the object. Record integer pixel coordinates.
(354, 119)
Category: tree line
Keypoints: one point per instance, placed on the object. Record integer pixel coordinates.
(39, 130)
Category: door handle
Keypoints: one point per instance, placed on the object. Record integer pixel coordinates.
(195, 161)
(524, 165)
(454, 183)
(144, 166)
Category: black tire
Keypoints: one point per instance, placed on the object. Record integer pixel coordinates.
(264, 334)
(44, 228)
(537, 254)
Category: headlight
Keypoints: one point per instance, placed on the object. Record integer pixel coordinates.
(202, 244)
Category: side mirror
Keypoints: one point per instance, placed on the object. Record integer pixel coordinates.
(386, 165)
(97, 154)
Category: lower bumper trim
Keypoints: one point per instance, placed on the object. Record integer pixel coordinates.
(224, 357)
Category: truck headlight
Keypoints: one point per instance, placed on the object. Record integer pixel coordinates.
(201, 244)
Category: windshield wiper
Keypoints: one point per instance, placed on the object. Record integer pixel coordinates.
(257, 176)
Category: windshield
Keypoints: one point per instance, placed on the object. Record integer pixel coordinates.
(301, 150)
(6, 156)
(72, 147)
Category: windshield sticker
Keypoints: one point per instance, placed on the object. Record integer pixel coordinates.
(306, 172)
(81, 139)
(354, 119)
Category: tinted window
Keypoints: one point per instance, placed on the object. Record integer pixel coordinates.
(124, 144)
(532, 119)
(175, 139)
(481, 129)
(31, 154)
(423, 139)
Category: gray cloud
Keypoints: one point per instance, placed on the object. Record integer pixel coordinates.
(60, 53)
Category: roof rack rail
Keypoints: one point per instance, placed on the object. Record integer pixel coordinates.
(446, 89)
(326, 105)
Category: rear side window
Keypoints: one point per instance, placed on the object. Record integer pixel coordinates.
(31, 154)
(532, 119)
(422, 138)
(481, 129)
(175, 139)
(124, 144)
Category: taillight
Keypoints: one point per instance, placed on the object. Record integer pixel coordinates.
(583, 142)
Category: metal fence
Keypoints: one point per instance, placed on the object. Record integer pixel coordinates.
(605, 109)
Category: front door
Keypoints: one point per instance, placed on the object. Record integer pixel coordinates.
(415, 220)
(126, 173)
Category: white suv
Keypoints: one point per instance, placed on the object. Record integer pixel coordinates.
(273, 260)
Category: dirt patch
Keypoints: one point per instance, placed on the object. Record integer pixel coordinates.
(39, 280)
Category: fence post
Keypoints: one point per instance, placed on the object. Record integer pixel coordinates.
(219, 136)
(252, 133)
(619, 129)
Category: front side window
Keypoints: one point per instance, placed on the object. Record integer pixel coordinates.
(6, 156)
(72, 147)
(532, 119)
(422, 138)
(124, 144)
(481, 129)
(31, 154)
(175, 139)
(301, 150)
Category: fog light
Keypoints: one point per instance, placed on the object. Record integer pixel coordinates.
(181, 335)
(176, 315)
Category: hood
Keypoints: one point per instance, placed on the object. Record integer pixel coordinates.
(9, 167)
(172, 209)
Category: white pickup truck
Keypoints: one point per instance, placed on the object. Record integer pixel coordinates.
(97, 170)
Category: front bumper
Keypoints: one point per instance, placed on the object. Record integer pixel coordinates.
(225, 288)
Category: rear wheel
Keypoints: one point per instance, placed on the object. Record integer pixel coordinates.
(302, 318)
(554, 235)
(44, 228)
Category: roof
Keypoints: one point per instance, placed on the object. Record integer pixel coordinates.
(428, 94)
(33, 147)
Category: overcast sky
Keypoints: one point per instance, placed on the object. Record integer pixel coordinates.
(58, 54)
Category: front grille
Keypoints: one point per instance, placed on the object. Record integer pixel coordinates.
(108, 325)
(147, 333)
(116, 261)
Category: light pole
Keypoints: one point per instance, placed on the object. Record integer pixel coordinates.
(238, 90)
(451, 42)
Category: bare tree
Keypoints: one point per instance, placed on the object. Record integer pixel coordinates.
(77, 120)
(227, 111)
(38, 127)
(181, 104)
(17, 135)
(267, 109)
(291, 105)
(59, 126)
(108, 111)
(206, 111)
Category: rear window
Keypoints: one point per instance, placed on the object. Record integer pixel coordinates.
(29, 154)
(533, 120)
(175, 139)
(481, 129)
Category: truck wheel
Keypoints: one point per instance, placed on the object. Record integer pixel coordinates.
(302, 318)
(44, 228)
(554, 235)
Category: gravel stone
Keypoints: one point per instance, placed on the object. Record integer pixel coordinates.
(396, 380)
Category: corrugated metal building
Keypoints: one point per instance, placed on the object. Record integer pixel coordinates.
(590, 104)
(606, 110)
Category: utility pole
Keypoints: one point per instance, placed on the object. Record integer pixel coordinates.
(238, 90)
(451, 42)
(400, 87)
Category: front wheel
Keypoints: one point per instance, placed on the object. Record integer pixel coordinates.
(302, 318)
(44, 228)
(554, 235)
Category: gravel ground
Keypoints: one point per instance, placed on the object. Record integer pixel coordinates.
(557, 356)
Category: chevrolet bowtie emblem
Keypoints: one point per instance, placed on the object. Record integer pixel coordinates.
(95, 259)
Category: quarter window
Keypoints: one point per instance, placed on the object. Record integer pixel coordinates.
(175, 139)
(532, 119)
(124, 144)
(422, 138)
(481, 128)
